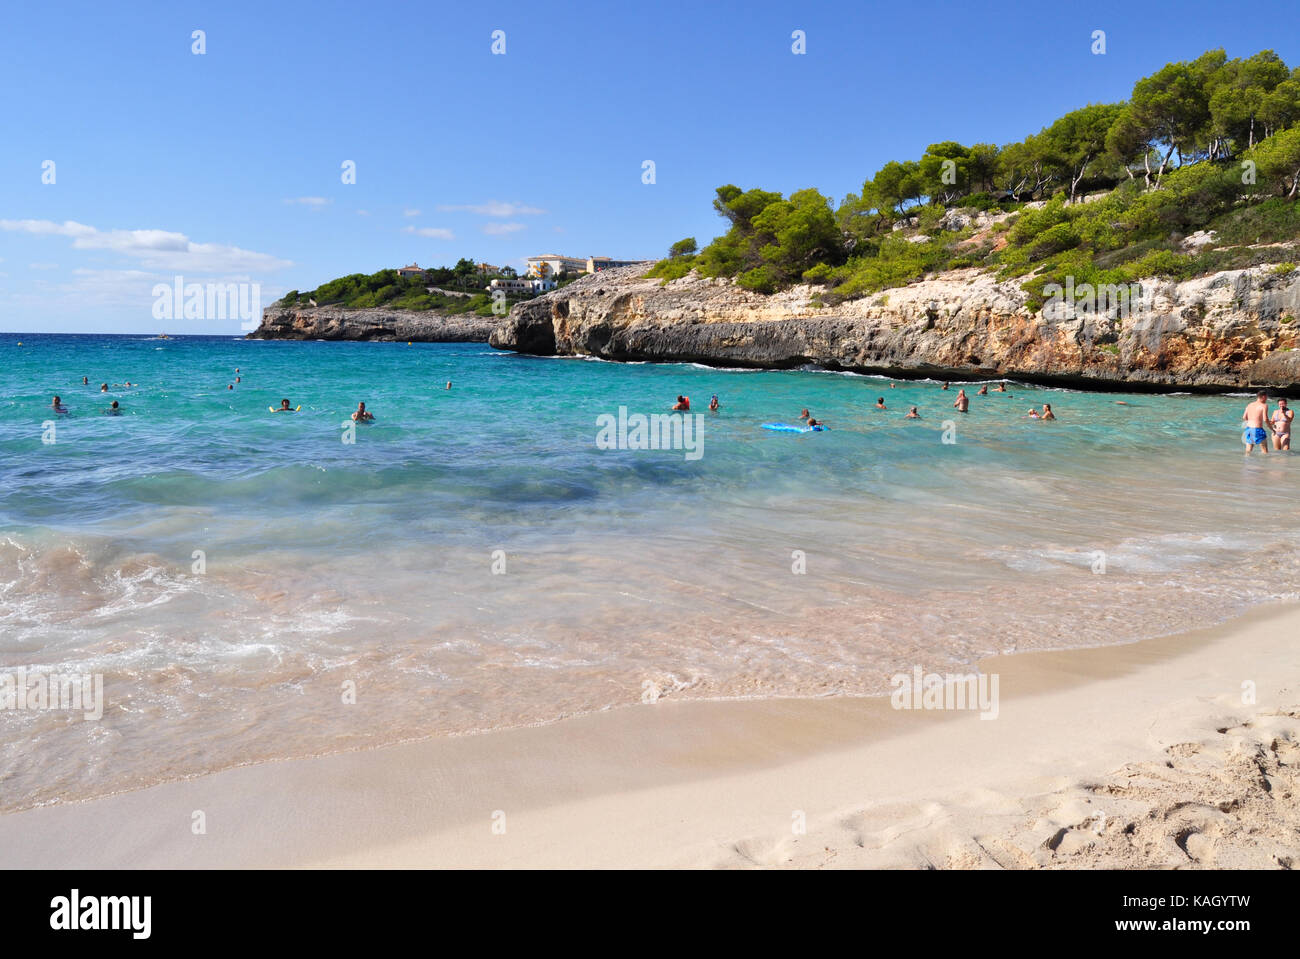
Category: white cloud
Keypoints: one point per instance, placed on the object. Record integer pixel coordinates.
(316, 201)
(155, 249)
(502, 229)
(495, 208)
(409, 212)
(130, 289)
(114, 287)
(436, 232)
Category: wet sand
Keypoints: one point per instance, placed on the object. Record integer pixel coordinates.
(1143, 755)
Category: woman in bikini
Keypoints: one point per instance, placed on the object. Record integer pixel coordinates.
(1282, 417)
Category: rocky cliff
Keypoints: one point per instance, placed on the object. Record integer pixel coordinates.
(1226, 331)
(334, 323)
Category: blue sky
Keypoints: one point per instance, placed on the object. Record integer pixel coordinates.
(227, 166)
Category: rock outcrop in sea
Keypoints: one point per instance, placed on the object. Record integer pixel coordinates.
(335, 323)
(1226, 331)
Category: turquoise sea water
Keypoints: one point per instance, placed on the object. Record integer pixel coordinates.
(474, 560)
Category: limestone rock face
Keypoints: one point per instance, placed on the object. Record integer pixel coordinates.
(1229, 330)
(334, 323)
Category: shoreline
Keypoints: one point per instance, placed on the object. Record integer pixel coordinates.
(960, 376)
(718, 783)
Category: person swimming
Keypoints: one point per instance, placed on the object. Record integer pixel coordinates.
(714, 405)
(1032, 414)
(1282, 418)
(984, 390)
(963, 402)
(945, 386)
(912, 414)
(1001, 388)
(361, 416)
(57, 405)
(816, 424)
(85, 381)
(284, 407)
(1047, 412)
(683, 403)
(449, 384)
(113, 410)
(103, 387)
(880, 403)
(804, 414)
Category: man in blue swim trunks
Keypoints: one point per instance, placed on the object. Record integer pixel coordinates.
(1257, 424)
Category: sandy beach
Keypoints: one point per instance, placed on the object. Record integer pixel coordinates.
(1145, 755)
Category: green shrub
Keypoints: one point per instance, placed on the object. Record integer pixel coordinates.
(1275, 220)
(761, 279)
(674, 269)
(1030, 223)
(927, 221)
(821, 273)
(984, 202)
(1054, 240)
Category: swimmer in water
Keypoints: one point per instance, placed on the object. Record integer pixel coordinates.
(1002, 388)
(945, 386)
(449, 384)
(805, 414)
(1032, 414)
(361, 416)
(880, 403)
(984, 390)
(1047, 412)
(1282, 418)
(714, 405)
(85, 381)
(912, 414)
(103, 387)
(58, 407)
(683, 403)
(230, 386)
(113, 410)
(284, 407)
(1257, 424)
(963, 402)
(239, 379)
(816, 424)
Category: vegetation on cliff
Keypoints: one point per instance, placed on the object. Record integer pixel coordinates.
(387, 289)
(1210, 144)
